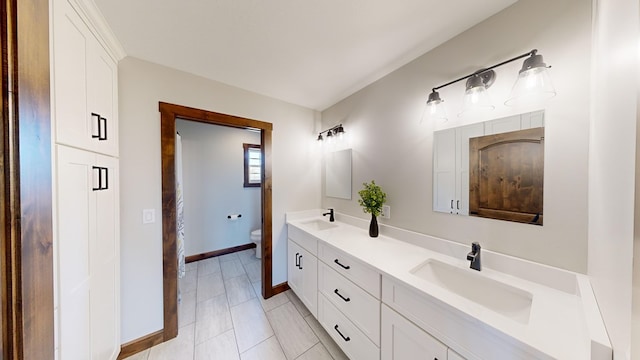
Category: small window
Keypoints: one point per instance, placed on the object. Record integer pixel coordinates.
(252, 165)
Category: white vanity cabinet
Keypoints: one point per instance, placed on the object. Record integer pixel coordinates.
(302, 267)
(349, 302)
(402, 340)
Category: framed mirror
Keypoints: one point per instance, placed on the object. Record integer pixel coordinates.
(500, 177)
(338, 174)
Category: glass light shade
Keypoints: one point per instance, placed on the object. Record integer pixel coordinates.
(434, 109)
(476, 99)
(532, 86)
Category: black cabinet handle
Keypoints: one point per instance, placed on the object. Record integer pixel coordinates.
(102, 135)
(102, 185)
(345, 338)
(99, 178)
(458, 204)
(97, 116)
(341, 297)
(102, 125)
(297, 260)
(300, 263)
(347, 267)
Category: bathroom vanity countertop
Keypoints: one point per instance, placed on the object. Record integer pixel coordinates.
(564, 321)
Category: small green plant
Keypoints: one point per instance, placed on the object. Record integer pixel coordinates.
(372, 198)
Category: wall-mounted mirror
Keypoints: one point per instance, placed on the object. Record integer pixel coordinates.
(506, 174)
(338, 174)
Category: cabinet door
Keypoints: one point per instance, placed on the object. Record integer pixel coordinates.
(402, 340)
(88, 253)
(105, 266)
(444, 170)
(84, 85)
(302, 269)
(309, 268)
(101, 97)
(463, 134)
(71, 44)
(294, 276)
(76, 225)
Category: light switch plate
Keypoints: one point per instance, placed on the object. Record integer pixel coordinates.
(148, 216)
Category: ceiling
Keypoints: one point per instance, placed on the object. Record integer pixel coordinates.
(309, 53)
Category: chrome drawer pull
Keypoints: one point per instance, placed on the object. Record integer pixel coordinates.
(347, 267)
(341, 297)
(345, 338)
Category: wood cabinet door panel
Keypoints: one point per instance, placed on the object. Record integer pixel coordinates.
(506, 179)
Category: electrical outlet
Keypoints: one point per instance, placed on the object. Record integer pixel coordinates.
(386, 211)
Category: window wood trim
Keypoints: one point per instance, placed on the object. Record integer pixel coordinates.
(247, 182)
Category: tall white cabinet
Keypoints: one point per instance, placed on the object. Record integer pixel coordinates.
(86, 194)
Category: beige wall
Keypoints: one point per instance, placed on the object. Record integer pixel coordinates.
(391, 146)
(296, 173)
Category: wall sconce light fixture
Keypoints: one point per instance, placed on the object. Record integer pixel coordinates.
(533, 84)
(336, 131)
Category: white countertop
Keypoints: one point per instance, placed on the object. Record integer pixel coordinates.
(564, 321)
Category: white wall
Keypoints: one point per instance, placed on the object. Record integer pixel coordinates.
(391, 146)
(613, 165)
(213, 170)
(296, 173)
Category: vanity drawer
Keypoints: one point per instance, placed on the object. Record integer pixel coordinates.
(352, 341)
(302, 238)
(361, 308)
(363, 275)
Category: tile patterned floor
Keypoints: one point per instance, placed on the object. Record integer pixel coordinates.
(222, 316)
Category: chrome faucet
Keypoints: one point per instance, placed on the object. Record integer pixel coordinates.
(474, 256)
(330, 213)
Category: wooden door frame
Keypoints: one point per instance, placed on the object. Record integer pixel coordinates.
(26, 237)
(169, 113)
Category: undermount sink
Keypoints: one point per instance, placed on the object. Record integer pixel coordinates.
(317, 224)
(502, 298)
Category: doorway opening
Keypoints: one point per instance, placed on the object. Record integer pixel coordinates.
(169, 113)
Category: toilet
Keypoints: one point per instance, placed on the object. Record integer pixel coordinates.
(256, 238)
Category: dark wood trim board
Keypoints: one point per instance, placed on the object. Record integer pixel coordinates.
(220, 252)
(169, 113)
